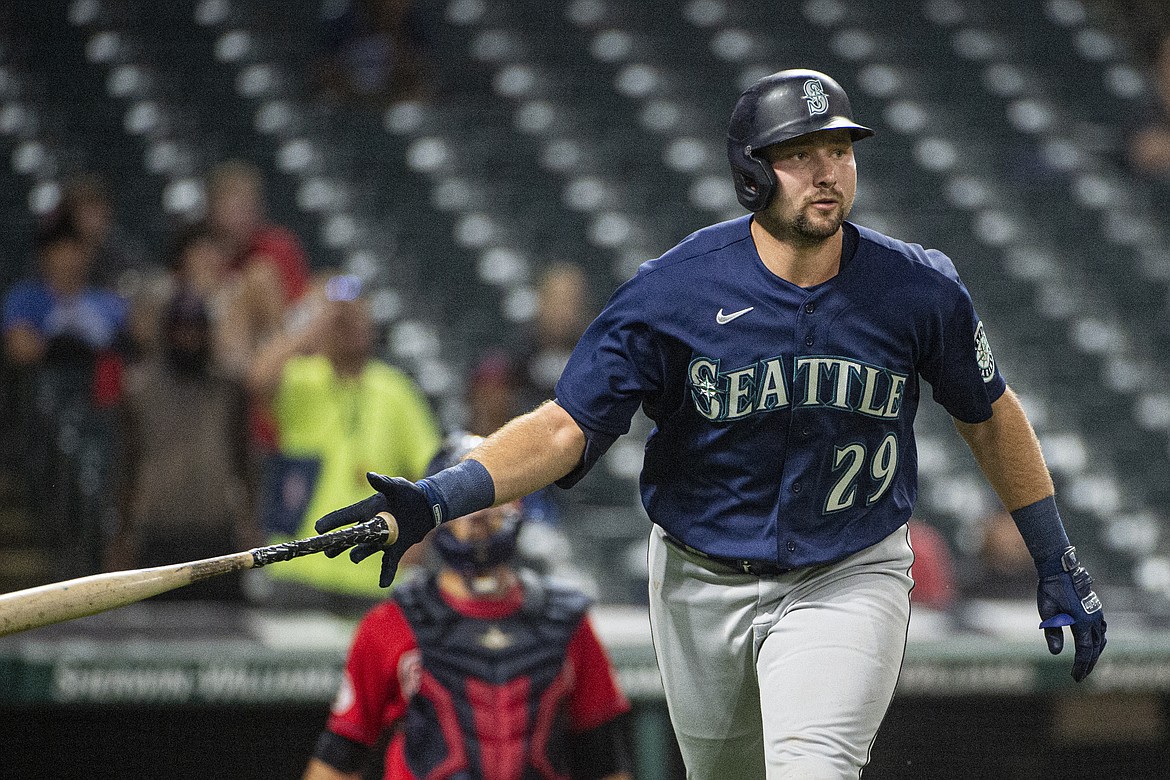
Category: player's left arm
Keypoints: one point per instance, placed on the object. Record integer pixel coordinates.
(598, 712)
(1007, 450)
(370, 696)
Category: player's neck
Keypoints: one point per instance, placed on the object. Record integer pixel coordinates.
(490, 586)
(804, 265)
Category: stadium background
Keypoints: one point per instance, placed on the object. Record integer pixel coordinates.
(592, 131)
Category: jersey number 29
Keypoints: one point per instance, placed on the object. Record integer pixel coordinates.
(849, 460)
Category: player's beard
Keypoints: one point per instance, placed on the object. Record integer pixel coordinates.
(799, 226)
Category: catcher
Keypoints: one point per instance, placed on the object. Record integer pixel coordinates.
(478, 670)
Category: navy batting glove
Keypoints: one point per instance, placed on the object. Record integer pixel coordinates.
(402, 498)
(1065, 597)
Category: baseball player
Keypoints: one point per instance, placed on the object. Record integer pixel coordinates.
(479, 670)
(782, 357)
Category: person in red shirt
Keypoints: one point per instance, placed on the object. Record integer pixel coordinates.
(269, 273)
(479, 670)
(934, 568)
(236, 213)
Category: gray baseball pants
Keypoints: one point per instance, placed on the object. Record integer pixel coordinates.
(779, 677)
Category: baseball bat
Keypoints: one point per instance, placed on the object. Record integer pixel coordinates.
(61, 601)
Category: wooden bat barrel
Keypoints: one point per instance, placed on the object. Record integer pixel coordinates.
(61, 601)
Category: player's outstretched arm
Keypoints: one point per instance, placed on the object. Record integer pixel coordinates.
(528, 453)
(531, 451)
(1008, 452)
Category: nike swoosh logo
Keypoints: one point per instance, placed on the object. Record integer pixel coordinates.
(723, 319)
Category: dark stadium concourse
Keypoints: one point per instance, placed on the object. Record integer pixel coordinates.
(205, 177)
(925, 738)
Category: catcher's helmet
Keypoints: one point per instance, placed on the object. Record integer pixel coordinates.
(776, 108)
(472, 557)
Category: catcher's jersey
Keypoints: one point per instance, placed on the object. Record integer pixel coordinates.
(783, 415)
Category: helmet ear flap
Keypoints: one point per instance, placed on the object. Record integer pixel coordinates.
(754, 180)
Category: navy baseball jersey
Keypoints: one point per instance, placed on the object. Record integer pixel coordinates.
(783, 415)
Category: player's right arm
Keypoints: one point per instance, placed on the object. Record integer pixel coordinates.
(531, 451)
(526, 454)
(613, 367)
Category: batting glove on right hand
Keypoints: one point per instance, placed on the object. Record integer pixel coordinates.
(1065, 597)
(403, 499)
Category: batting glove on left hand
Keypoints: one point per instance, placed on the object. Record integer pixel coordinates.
(403, 499)
(1065, 597)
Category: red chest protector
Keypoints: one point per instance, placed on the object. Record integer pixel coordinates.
(491, 694)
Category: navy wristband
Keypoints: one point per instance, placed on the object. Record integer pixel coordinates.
(1040, 525)
(460, 490)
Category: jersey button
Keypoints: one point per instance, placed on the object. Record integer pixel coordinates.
(808, 341)
(809, 308)
(791, 546)
(795, 487)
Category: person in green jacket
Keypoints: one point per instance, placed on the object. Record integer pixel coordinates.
(340, 412)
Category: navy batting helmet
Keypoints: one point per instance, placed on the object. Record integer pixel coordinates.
(776, 108)
(476, 556)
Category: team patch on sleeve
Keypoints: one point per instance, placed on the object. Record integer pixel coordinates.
(345, 698)
(410, 673)
(983, 354)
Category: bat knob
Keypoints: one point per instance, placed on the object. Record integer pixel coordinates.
(391, 528)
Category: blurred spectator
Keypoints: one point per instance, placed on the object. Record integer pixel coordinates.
(340, 413)
(564, 308)
(65, 337)
(202, 265)
(57, 313)
(1143, 22)
(562, 314)
(1003, 568)
(199, 265)
(269, 273)
(1149, 150)
(87, 210)
(183, 494)
(1149, 145)
(261, 252)
(934, 568)
(374, 52)
(492, 394)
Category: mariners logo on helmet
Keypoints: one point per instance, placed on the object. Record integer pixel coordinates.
(814, 95)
